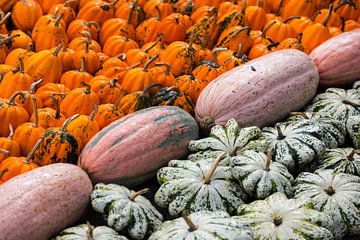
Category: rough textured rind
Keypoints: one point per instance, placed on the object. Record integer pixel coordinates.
(338, 59)
(40, 203)
(353, 128)
(261, 91)
(129, 150)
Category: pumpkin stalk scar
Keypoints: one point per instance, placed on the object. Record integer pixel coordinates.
(138, 193)
(330, 190)
(213, 168)
(191, 225)
(89, 232)
(350, 157)
(277, 221)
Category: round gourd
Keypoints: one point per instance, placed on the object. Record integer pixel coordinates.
(279, 218)
(207, 225)
(51, 197)
(353, 127)
(126, 209)
(260, 177)
(163, 132)
(336, 194)
(281, 82)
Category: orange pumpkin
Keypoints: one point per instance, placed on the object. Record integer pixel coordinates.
(230, 59)
(232, 37)
(111, 92)
(299, 24)
(92, 60)
(131, 11)
(79, 43)
(190, 85)
(204, 11)
(66, 56)
(113, 27)
(163, 6)
(226, 7)
(72, 79)
(47, 5)
(156, 47)
(25, 14)
(351, 25)
(9, 147)
(22, 40)
(4, 48)
(262, 49)
(256, 16)
(148, 30)
(292, 43)
(204, 53)
(4, 68)
(108, 113)
(48, 117)
(162, 74)
(174, 27)
(66, 9)
(333, 21)
(44, 93)
(299, 8)
(348, 9)
(26, 99)
(78, 25)
(116, 45)
(233, 18)
(98, 11)
(278, 30)
(113, 68)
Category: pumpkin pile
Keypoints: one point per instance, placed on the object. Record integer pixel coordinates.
(187, 119)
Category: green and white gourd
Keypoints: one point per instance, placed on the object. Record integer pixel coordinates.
(341, 160)
(336, 103)
(195, 186)
(260, 177)
(89, 232)
(294, 144)
(279, 218)
(336, 194)
(126, 209)
(356, 85)
(334, 131)
(353, 128)
(203, 225)
(230, 139)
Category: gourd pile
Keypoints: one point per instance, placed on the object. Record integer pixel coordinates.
(185, 119)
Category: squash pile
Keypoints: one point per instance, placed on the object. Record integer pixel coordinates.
(217, 103)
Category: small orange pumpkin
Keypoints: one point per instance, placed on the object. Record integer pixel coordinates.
(26, 99)
(233, 18)
(48, 117)
(333, 21)
(9, 147)
(108, 113)
(113, 68)
(25, 14)
(299, 8)
(232, 37)
(44, 93)
(92, 60)
(148, 30)
(79, 25)
(299, 24)
(131, 11)
(203, 11)
(291, 43)
(111, 92)
(113, 27)
(79, 43)
(73, 78)
(348, 9)
(66, 9)
(12, 58)
(262, 49)
(230, 59)
(152, 7)
(66, 56)
(174, 27)
(190, 85)
(22, 40)
(162, 74)
(278, 30)
(116, 45)
(98, 11)
(256, 16)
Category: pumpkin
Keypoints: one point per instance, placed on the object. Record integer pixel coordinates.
(211, 225)
(129, 209)
(44, 22)
(262, 49)
(352, 126)
(148, 30)
(156, 47)
(98, 11)
(299, 8)
(299, 24)
(117, 44)
(67, 9)
(66, 56)
(336, 103)
(6, 5)
(348, 9)
(12, 58)
(5, 68)
(11, 113)
(250, 99)
(256, 16)
(233, 18)
(25, 14)
(85, 231)
(190, 85)
(334, 19)
(45, 65)
(170, 128)
(209, 70)
(278, 30)
(113, 68)
(73, 78)
(79, 43)
(162, 74)
(233, 37)
(20, 40)
(44, 188)
(196, 186)
(336, 194)
(27, 134)
(92, 60)
(44, 93)
(57, 145)
(349, 25)
(140, 57)
(165, 8)
(108, 113)
(9, 147)
(131, 11)
(278, 217)
(4, 46)
(79, 100)
(293, 43)
(226, 7)
(295, 144)
(111, 92)
(203, 11)
(230, 139)
(49, 117)
(46, 5)
(230, 59)
(174, 27)
(79, 25)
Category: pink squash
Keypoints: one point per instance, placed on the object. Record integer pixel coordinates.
(130, 150)
(260, 92)
(40, 203)
(338, 59)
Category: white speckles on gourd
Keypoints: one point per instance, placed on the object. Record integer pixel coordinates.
(258, 180)
(230, 138)
(353, 128)
(279, 218)
(336, 194)
(124, 208)
(215, 225)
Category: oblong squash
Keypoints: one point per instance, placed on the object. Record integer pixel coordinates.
(259, 92)
(338, 59)
(42, 202)
(131, 149)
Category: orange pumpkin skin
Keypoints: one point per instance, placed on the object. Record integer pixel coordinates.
(113, 68)
(49, 117)
(66, 56)
(5, 68)
(119, 44)
(231, 19)
(92, 60)
(203, 11)
(278, 30)
(10, 146)
(108, 113)
(152, 7)
(111, 92)
(12, 57)
(299, 24)
(190, 85)
(174, 27)
(225, 8)
(6, 5)
(78, 25)
(25, 14)
(14, 166)
(44, 93)
(292, 43)
(72, 79)
(113, 27)
(348, 9)
(132, 12)
(45, 22)
(230, 59)
(79, 100)
(232, 37)
(98, 83)
(256, 17)
(155, 48)
(261, 50)
(299, 8)
(66, 9)
(215, 3)
(47, 5)
(162, 74)
(148, 31)
(45, 65)
(351, 25)
(98, 11)
(21, 41)
(137, 57)
(10, 113)
(334, 20)
(80, 43)
(204, 53)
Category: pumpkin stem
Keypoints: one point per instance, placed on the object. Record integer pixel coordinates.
(151, 46)
(213, 168)
(126, 34)
(213, 53)
(83, 62)
(33, 86)
(30, 47)
(5, 18)
(345, 2)
(93, 23)
(277, 221)
(277, 11)
(1, 75)
(270, 46)
(268, 27)
(300, 37)
(121, 56)
(89, 232)
(148, 88)
(5, 152)
(58, 20)
(243, 6)
(85, 34)
(93, 113)
(302, 114)
(55, 101)
(191, 225)
(134, 66)
(138, 193)
(280, 133)
(31, 153)
(326, 20)
(87, 87)
(206, 123)
(3, 172)
(167, 70)
(107, 6)
(12, 98)
(11, 134)
(350, 157)
(68, 121)
(268, 161)
(239, 52)
(330, 190)
(233, 152)
(87, 46)
(7, 39)
(350, 103)
(21, 63)
(113, 82)
(151, 60)
(131, 13)
(57, 50)
(36, 115)
(56, 11)
(158, 13)
(66, 4)
(291, 18)
(342, 29)
(259, 3)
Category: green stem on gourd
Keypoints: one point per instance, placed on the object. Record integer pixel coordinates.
(138, 193)
(208, 176)
(151, 46)
(7, 39)
(191, 225)
(280, 133)
(21, 64)
(33, 86)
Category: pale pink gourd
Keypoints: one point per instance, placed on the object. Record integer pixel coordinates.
(338, 59)
(260, 92)
(40, 203)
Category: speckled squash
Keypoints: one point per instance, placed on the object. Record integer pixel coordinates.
(353, 128)
(170, 130)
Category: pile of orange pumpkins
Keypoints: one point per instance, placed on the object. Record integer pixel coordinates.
(70, 68)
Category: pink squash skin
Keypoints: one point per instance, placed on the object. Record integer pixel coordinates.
(338, 59)
(40, 203)
(260, 92)
(130, 150)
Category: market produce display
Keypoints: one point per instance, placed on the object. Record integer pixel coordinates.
(181, 119)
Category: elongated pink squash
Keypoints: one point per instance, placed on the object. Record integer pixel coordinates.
(40, 203)
(338, 59)
(131, 149)
(259, 92)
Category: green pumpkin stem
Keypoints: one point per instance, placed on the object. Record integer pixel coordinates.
(89, 232)
(58, 20)
(268, 27)
(213, 168)
(68, 121)
(268, 161)
(151, 60)
(36, 115)
(167, 70)
(151, 86)
(14, 96)
(326, 20)
(348, 102)
(302, 114)
(57, 50)
(280, 133)
(191, 225)
(5, 18)
(93, 113)
(138, 193)
(5, 152)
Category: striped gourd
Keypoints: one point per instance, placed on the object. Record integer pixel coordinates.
(334, 131)
(294, 144)
(230, 138)
(279, 218)
(336, 103)
(126, 209)
(87, 231)
(341, 160)
(336, 194)
(260, 177)
(195, 186)
(356, 85)
(204, 225)
(353, 128)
